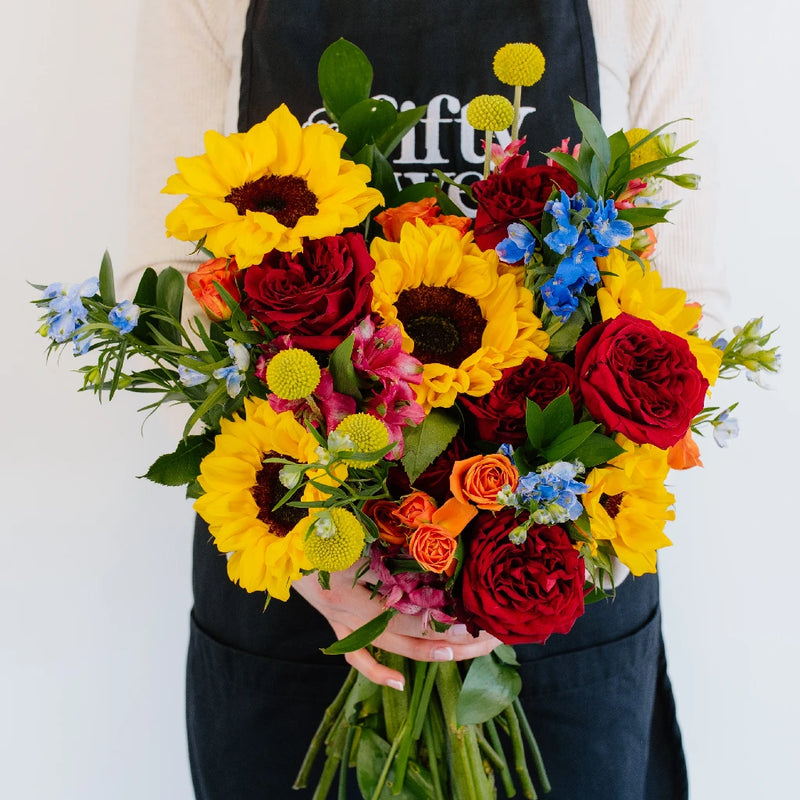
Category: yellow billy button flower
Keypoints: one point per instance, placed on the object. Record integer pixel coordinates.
(490, 112)
(367, 433)
(335, 540)
(519, 64)
(649, 151)
(293, 374)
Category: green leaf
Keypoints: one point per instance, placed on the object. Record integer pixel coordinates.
(362, 636)
(146, 291)
(426, 441)
(182, 466)
(558, 416)
(415, 191)
(383, 178)
(569, 440)
(506, 654)
(573, 167)
(653, 167)
(597, 449)
(564, 339)
(169, 299)
(489, 687)
(371, 756)
(593, 132)
(342, 370)
(643, 217)
(107, 294)
(598, 177)
(365, 122)
(534, 423)
(405, 121)
(345, 77)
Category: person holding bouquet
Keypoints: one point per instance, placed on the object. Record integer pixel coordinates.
(257, 682)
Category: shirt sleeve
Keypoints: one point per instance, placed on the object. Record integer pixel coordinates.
(668, 82)
(185, 61)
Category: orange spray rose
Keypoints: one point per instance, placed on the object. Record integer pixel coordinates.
(480, 478)
(201, 284)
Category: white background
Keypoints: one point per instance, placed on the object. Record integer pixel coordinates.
(95, 564)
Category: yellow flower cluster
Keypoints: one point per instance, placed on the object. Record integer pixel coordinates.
(490, 112)
(629, 505)
(519, 64)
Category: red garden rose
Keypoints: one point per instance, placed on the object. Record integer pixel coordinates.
(317, 295)
(500, 415)
(515, 195)
(520, 593)
(639, 380)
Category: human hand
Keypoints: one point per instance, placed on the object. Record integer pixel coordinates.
(347, 607)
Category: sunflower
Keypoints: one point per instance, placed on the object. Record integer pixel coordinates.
(629, 505)
(627, 287)
(462, 319)
(266, 544)
(268, 188)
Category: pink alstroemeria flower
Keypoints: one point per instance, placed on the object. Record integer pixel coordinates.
(396, 406)
(326, 404)
(378, 354)
(564, 148)
(625, 200)
(509, 157)
(413, 593)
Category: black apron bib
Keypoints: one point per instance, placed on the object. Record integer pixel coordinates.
(257, 683)
(444, 66)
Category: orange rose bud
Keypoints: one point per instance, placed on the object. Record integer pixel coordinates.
(390, 529)
(685, 453)
(480, 478)
(433, 547)
(393, 219)
(416, 508)
(201, 284)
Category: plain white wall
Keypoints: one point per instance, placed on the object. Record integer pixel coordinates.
(94, 575)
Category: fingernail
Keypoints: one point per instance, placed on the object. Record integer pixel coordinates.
(442, 654)
(395, 684)
(458, 630)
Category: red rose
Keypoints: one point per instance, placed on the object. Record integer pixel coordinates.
(520, 593)
(639, 380)
(500, 415)
(514, 195)
(317, 295)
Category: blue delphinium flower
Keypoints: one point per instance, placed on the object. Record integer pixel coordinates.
(233, 375)
(565, 234)
(124, 316)
(551, 493)
(519, 246)
(81, 341)
(66, 311)
(558, 297)
(191, 377)
(607, 230)
(726, 428)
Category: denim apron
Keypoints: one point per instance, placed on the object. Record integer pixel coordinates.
(598, 698)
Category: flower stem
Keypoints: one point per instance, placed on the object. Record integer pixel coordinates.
(487, 156)
(414, 712)
(519, 754)
(517, 104)
(434, 756)
(331, 713)
(530, 739)
(505, 773)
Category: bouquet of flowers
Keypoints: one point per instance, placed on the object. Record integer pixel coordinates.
(478, 417)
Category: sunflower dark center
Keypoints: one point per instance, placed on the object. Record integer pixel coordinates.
(446, 325)
(611, 503)
(286, 197)
(269, 491)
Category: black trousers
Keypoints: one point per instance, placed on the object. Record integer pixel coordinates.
(598, 698)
